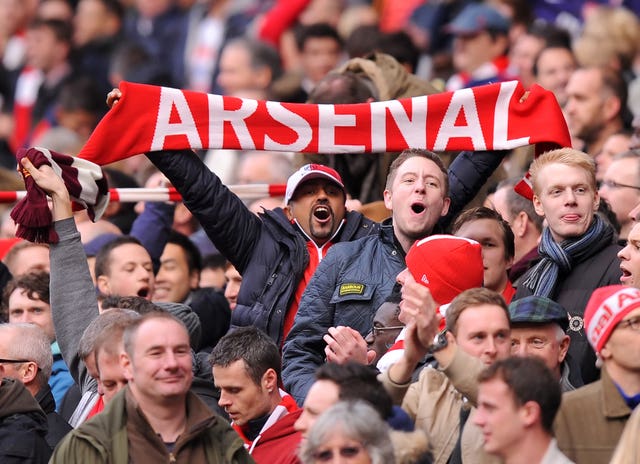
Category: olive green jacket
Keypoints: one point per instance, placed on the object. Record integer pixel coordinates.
(104, 438)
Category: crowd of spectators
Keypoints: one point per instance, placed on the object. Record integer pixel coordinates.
(390, 307)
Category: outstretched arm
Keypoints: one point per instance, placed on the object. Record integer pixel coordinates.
(72, 294)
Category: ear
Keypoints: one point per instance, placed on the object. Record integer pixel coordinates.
(269, 380)
(537, 205)
(611, 107)
(263, 77)
(30, 370)
(387, 199)
(530, 413)
(564, 348)
(287, 212)
(605, 352)
(194, 279)
(445, 206)
(520, 224)
(596, 201)
(127, 366)
(103, 284)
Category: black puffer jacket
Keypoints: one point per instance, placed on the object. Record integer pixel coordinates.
(268, 251)
(23, 426)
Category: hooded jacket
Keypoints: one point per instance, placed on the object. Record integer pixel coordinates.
(57, 426)
(23, 426)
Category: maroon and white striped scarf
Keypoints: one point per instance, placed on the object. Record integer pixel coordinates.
(84, 180)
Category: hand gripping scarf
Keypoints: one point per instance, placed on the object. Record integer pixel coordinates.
(84, 180)
(491, 117)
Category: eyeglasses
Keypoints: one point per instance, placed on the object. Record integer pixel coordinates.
(633, 324)
(345, 452)
(380, 330)
(616, 185)
(13, 361)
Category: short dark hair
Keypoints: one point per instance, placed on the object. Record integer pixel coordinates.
(400, 46)
(316, 31)
(261, 55)
(103, 257)
(214, 261)
(357, 382)
(412, 153)
(251, 345)
(482, 212)
(529, 379)
(33, 283)
(135, 303)
(473, 297)
(551, 46)
(517, 202)
(62, 30)
(191, 251)
(342, 88)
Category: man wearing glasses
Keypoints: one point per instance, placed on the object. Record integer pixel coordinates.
(539, 328)
(591, 419)
(25, 355)
(621, 188)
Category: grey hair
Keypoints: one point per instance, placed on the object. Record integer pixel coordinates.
(34, 346)
(355, 420)
(104, 321)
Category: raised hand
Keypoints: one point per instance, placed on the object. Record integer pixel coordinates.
(346, 344)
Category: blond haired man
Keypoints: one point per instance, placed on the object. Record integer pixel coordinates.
(578, 248)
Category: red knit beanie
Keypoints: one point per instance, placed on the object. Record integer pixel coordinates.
(606, 307)
(447, 265)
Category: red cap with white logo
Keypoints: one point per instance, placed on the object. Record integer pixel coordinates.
(308, 172)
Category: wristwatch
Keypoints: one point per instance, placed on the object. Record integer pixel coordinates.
(439, 342)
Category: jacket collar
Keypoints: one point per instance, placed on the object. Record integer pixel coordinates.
(613, 404)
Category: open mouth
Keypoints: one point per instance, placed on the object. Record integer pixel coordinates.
(143, 292)
(322, 213)
(417, 208)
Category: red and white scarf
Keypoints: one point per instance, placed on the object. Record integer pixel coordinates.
(491, 117)
(150, 118)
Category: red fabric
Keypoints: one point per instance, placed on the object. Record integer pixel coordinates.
(302, 285)
(6, 244)
(508, 293)
(279, 442)
(97, 408)
(490, 117)
(279, 18)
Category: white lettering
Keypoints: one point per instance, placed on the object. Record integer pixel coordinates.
(218, 115)
(462, 100)
(414, 130)
(328, 120)
(501, 119)
(293, 121)
(169, 99)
